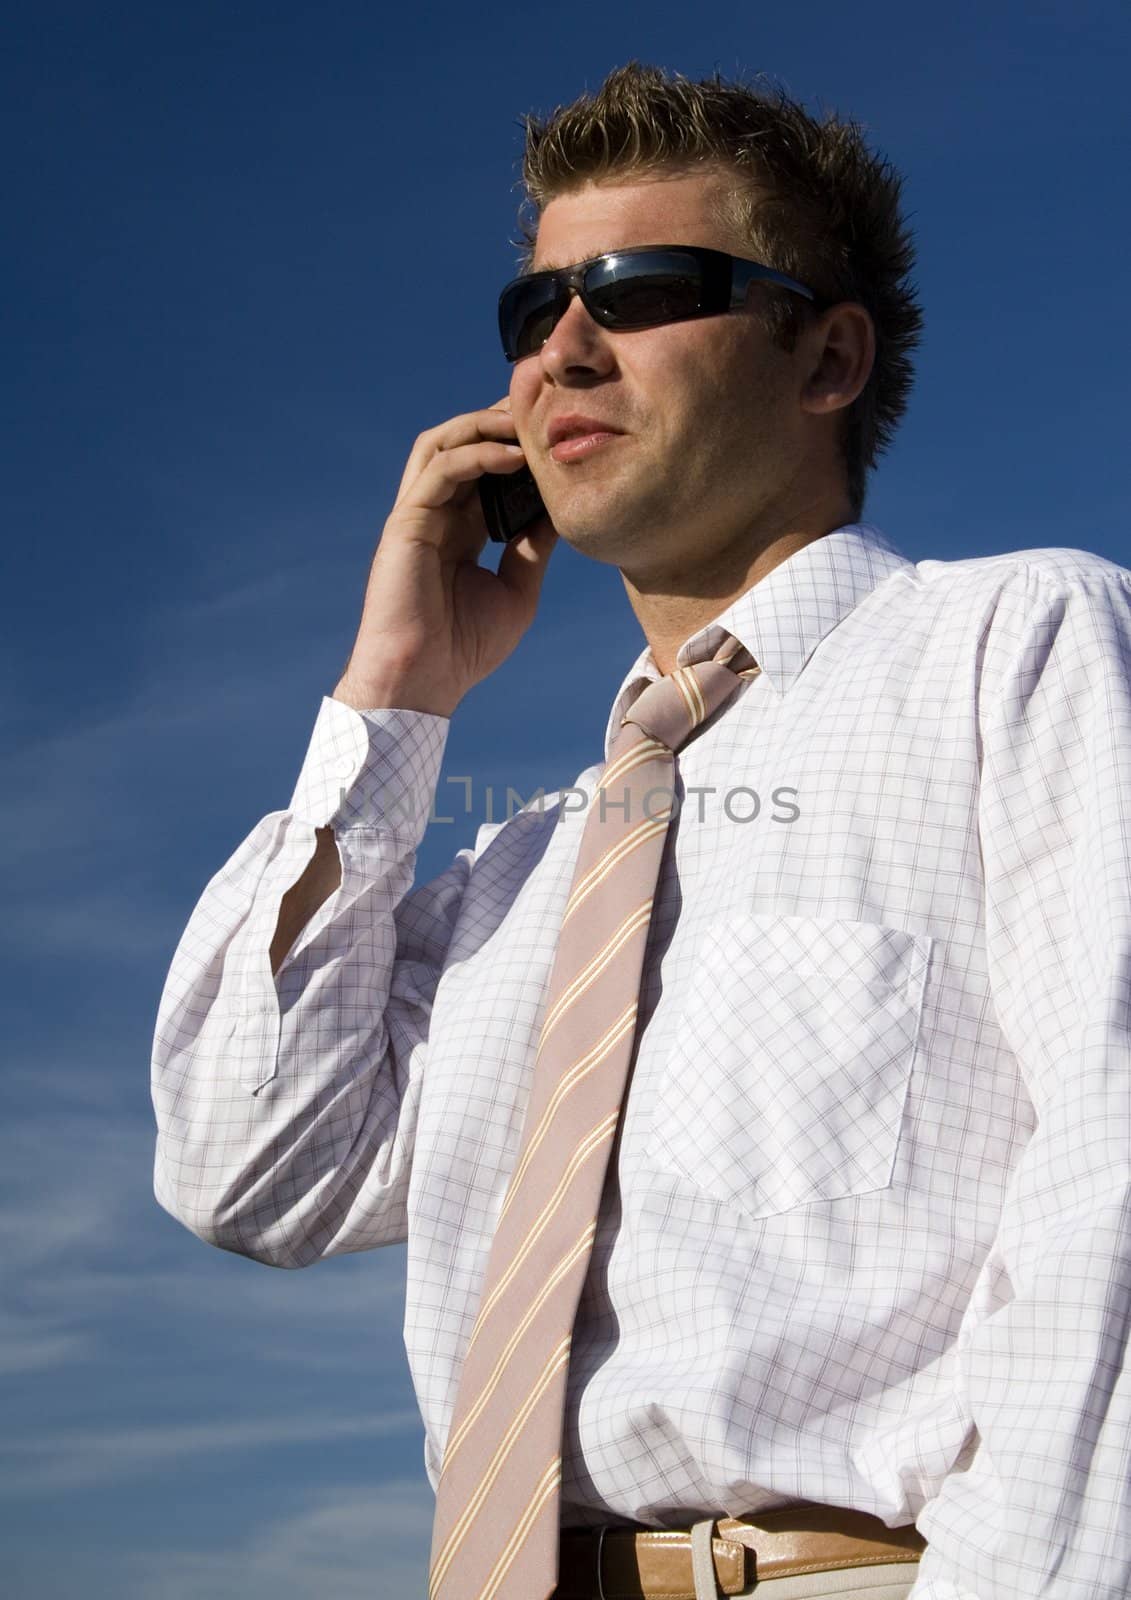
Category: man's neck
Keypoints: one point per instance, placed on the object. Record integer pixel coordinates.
(671, 609)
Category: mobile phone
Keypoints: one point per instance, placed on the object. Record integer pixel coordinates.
(510, 501)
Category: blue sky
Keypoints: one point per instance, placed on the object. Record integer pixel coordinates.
(257, 248)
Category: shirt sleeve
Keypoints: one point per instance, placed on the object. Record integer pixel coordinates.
(1044, 1505)
(286, 1103)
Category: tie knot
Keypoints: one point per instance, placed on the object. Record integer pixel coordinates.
(672, 707)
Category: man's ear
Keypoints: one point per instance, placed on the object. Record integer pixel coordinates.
(842, 347)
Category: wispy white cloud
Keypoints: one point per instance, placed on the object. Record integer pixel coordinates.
(270, 592)
(103, 923)
(73, 1188)
(83, 1238)
(349, 1542)
(73, 1458)
(31, 1341)
(70, 1183)
(365, 1288)
(211, 671)
(341, 1317)
(78, 1071)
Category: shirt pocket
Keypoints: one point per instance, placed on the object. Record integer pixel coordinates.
(789, 1067)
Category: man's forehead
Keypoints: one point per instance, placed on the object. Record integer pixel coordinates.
(664, 207)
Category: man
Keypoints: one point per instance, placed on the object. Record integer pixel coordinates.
(860, 1260)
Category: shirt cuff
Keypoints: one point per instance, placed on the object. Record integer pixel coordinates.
(371, 769)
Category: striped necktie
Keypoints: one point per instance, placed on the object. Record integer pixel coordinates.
(495, 1535)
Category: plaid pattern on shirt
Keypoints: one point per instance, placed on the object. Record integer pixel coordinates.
(868, 1241)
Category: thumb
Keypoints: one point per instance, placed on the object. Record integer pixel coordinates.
(524, 560)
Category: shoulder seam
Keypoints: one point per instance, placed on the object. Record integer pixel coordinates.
(1037, 570)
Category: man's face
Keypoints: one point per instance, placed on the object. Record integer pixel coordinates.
(711, 440)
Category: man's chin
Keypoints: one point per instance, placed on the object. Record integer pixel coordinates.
(601, 538)
(604, 522)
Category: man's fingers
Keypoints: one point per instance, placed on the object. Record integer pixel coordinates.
(493, 423)
(489, 424)
(450, 469)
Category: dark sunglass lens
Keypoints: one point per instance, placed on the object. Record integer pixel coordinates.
(527, 316)
(634, 292)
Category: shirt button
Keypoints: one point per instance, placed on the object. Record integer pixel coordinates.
(344, 767)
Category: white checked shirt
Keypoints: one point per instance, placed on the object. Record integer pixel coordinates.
(869, 1241)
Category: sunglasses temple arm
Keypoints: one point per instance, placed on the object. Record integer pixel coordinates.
(744, 273)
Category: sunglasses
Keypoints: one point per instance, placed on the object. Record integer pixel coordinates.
(643, 287)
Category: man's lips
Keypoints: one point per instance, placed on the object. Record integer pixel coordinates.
(573, 436)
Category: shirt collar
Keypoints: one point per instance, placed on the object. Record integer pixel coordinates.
(783, 617)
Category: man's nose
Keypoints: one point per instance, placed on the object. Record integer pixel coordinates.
(578, 347)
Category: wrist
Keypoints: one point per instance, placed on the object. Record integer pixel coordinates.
(392, 693)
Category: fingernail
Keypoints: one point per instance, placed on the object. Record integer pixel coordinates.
(515, 449)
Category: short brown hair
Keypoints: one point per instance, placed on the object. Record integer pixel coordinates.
(816, 203)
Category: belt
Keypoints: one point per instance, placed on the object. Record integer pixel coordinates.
(629, 1563)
